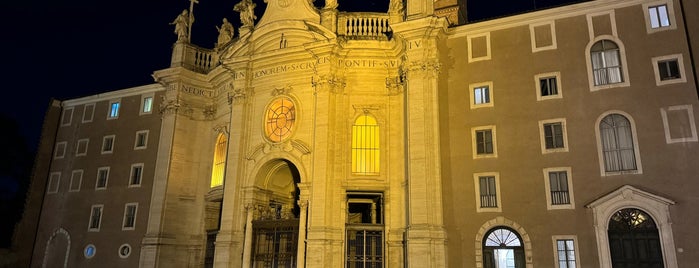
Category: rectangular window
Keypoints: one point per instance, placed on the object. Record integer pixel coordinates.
(88, 112)
(108, 144)
(669, 69)
(129, 222)
(82, 147)
(484, 141)
(565, 253)
(141, 139)
(60, 150)
(559, 188)
(136, 175)
(487, 192)
(548, 86)
(147, 104)
(67, 116)
(489, 198)
(95, 218)
(54, 182)
(76, 179)
(113, 110)
(102, 178)
(658, 16)
(481, 94)
(553, 134)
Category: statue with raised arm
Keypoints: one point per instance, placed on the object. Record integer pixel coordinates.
(182, 26)
(247, 12)
(225, 33)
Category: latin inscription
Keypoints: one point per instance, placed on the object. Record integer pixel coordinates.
(196, 91)
(310, 65)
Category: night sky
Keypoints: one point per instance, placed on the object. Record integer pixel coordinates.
(70, 49)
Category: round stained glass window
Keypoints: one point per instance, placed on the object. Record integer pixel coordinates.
(90, 251)
(279, 119)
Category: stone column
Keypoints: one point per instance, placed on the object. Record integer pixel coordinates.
(247, 246)
(301, 250)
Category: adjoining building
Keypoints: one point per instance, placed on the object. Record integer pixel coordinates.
(563, 137)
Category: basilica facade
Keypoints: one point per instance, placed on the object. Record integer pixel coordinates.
(312, 137)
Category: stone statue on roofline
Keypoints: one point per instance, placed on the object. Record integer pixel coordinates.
(247, 12)
(182, 26)
(225, 33)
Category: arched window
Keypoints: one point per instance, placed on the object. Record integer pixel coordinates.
(365, 145)
(606, 63)
(219, 166)
(503, 248)
(634, 240)
(617, 143)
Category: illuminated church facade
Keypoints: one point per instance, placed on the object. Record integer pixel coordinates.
(563, 137)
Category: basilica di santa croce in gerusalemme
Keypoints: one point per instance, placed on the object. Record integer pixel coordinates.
(313, 137)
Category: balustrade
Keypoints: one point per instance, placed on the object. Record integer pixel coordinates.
(364, 25)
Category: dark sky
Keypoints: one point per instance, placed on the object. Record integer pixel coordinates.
(68, 49)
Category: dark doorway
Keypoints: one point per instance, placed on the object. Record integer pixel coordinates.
(633, 240)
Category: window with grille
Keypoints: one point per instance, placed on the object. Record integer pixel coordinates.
(364, 230)
(488, 193)
(219, 165)
(558, 181)
(365, 146)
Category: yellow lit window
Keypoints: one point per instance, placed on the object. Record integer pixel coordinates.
(365, 146)
(219, 161)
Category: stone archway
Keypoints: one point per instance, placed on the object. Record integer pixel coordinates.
(275, 215)
(503, 222)
(57, 249)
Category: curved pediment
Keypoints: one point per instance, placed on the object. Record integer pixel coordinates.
(284, 24)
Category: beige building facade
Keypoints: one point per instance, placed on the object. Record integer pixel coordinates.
(562, 137)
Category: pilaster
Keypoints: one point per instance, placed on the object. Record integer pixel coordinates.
(425, 232)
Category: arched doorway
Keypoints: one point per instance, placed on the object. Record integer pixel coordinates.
(57, 249)
(503, 248)
(275, 227)
(634, 240)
